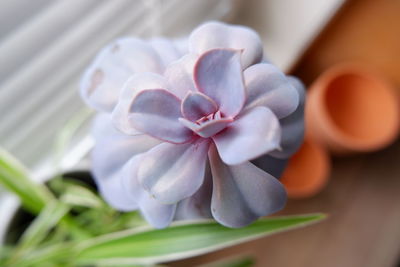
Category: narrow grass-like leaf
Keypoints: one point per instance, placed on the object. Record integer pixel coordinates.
(181, 240)
(232, 262)
(14, 177)
(78, 195)
(5, 252)
(66, 134)
(33, 196)
(54, 255)
(41, 226)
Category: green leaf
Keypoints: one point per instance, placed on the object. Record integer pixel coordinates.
(34, 196)
(14, 177)
(53, 255)
(5, 252)
(79, 195)
(232, 262)
(181, 240)
(66, 134)
(41, 226)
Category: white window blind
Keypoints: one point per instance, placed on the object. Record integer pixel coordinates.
(45, 46)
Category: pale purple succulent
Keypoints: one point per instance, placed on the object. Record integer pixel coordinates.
(187, 133)
(104, 78)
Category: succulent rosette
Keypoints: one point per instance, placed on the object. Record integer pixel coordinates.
(199, 134)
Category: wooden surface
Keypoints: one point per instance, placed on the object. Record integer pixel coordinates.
(363, 228)
(363, 196)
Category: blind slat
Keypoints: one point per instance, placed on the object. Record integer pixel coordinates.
(66, 56)
(39, 32)
(14, 13)
(45, 57)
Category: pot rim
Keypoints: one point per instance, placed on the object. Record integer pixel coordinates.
(318, 90)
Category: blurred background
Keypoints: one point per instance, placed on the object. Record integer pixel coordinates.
(45, 45)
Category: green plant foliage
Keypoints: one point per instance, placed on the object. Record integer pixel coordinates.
(43, 224)
(181, 240)
(14, 177)
(74, 226)
(76, 194)
(244, 261)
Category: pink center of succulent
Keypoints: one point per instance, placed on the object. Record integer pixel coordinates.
(202, 116)
(210, 117)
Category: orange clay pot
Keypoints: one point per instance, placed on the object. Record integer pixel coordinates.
(307, 171)
(352, 109)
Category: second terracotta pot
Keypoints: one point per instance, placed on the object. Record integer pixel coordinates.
(308, 170)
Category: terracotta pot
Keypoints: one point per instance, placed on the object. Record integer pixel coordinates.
(307, 171)
(352, 109)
